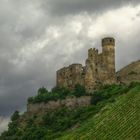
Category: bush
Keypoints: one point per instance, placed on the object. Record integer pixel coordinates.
(15, 116)
(96, 98)
(109, 92)
(42, 90)
(79, 90)
(56, 93)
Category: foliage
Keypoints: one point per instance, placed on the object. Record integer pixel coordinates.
(111, 106)
(56, 93)
(79, 90)
(12, 128)
(42, 90)
(119, 120)
(110, 92)
(53, 124)
(15, 116)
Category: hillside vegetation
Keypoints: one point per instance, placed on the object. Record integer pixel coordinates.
(116, 121)
(114, 114)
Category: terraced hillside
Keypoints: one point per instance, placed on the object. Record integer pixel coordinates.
(116, 121)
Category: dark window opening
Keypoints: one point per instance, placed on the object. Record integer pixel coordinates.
(83, 74)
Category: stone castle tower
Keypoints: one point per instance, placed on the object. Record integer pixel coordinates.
(98, 70)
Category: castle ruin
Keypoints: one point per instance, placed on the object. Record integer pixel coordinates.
(99, 69)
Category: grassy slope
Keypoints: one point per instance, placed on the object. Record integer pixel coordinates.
(116, 121)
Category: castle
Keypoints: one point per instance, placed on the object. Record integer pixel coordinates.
(99, 69)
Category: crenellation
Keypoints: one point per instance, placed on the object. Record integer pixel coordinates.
(99, 69)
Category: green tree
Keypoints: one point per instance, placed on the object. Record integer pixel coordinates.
(15, 116)
(79, 90)
(42, 90)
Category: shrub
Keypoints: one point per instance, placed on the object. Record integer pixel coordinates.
(79, 90)
(109, 92)
(56, 93)
(96, 98)
(15, 116)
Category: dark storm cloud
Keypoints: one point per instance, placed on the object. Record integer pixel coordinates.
(64, 7)
(18, 27)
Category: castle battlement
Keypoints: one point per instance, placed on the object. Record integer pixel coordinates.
(99, 69)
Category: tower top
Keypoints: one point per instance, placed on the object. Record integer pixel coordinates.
(108, 41)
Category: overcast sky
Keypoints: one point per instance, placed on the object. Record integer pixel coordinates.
(37, 37)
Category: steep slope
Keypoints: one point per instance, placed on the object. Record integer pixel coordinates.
(116, 121)
(114, 114)
(130, 73)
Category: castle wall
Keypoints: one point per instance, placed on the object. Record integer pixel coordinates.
(98, 70)
(70, 102)
(70, 76)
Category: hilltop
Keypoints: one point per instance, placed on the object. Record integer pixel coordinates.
(113, 113)
(129, 73)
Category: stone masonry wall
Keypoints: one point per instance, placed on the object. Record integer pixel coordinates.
(98, 70)
(71, 103)
(70, 76)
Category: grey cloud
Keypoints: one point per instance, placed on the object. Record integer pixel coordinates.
(64, 7)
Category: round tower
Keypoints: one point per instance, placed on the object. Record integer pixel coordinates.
(108, 48)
